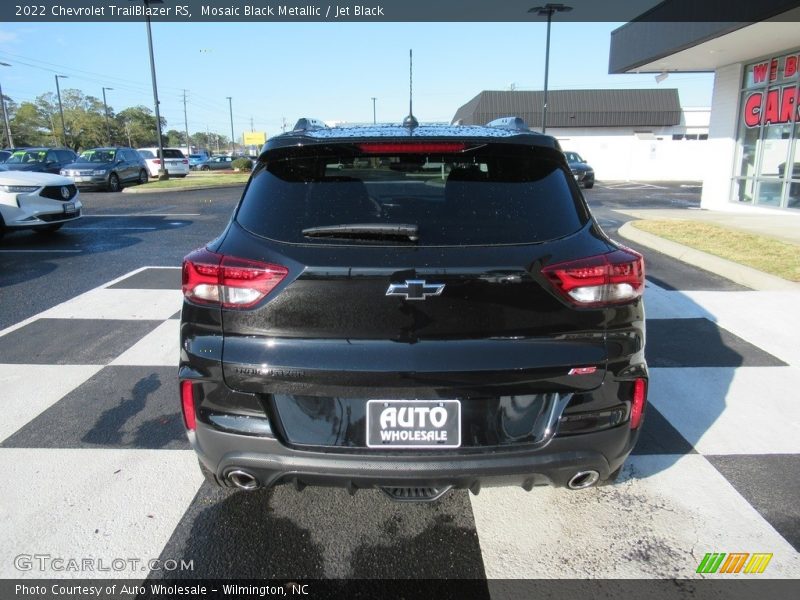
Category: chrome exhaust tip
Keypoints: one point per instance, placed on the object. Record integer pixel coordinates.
(583, 479)
(242, 480)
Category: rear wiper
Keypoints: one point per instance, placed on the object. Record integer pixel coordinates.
(366, 231)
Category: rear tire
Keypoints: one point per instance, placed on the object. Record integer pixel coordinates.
(143, 177)
(205, 168)
(589, 185)
(113, 183)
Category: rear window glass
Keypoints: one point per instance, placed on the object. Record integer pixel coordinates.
(484, 195)
(170, 153)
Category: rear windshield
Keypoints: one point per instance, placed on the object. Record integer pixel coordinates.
(168, 153)
(482, 195)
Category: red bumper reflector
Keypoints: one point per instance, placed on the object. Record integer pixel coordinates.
(187, 402)
(638, 402)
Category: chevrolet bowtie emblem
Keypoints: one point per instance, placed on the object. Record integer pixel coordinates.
(415, 289)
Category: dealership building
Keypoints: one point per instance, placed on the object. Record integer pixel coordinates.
(641, 134)
(752, 159)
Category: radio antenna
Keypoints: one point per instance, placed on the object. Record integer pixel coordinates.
(410, 121)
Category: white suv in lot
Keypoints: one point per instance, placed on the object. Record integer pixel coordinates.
(176, 164)
(38, 201)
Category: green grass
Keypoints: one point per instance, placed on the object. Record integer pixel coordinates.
(757, 251)
(198, 179)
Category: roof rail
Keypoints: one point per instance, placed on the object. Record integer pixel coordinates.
(306, 124)
(515, 123)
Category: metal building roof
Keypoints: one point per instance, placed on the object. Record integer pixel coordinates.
(577, 108)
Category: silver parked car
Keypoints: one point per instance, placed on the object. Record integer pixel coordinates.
(107, 168)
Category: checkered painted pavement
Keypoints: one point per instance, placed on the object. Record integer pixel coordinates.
(96, 462)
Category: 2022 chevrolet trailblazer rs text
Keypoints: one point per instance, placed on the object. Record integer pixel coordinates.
(367, 323)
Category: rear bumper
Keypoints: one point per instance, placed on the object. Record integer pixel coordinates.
(271, 462)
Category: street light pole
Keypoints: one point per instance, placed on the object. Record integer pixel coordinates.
(5, 112)
(548, 10)
(61, 108)
(374, 120)
(233, 143)
(105, 106)
(162, 171)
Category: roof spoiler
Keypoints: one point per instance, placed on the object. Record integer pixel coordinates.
(514, 123)
(306, 124)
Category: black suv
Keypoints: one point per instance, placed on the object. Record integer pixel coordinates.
(583, 173)
(365, 322)
(40, 160)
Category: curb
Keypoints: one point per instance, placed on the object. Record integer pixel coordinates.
(744, 275)
(140, 190)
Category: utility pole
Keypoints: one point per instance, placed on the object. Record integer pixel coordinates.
(128, 133)
(5, 112)
(283, 124)
(162, 170)
(251, 124)
(374, 119)
(233, 139)
(61, 108)
(186, 126)
(105, 106)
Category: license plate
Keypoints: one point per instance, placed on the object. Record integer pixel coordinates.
(413, 424)
(81, 178)
(69, 207)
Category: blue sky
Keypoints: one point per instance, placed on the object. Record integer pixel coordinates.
(324, 70)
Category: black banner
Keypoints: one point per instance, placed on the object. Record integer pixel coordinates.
(727, 11)
(745, 588)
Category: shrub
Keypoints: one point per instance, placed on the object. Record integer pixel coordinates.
(242, 164)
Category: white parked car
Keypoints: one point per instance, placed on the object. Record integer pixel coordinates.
(176, 163)
(39, 201)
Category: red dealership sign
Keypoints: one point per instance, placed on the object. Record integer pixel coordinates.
(780, 103)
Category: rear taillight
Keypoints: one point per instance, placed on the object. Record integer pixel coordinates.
(602, 280)
(210, 278)
(638, 402)
(186, 162)
(187, 403)
(156, 161)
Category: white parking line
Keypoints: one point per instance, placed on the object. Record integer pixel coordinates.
(110, 228)
(37, 250)
(85, 216)
(24, 322)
